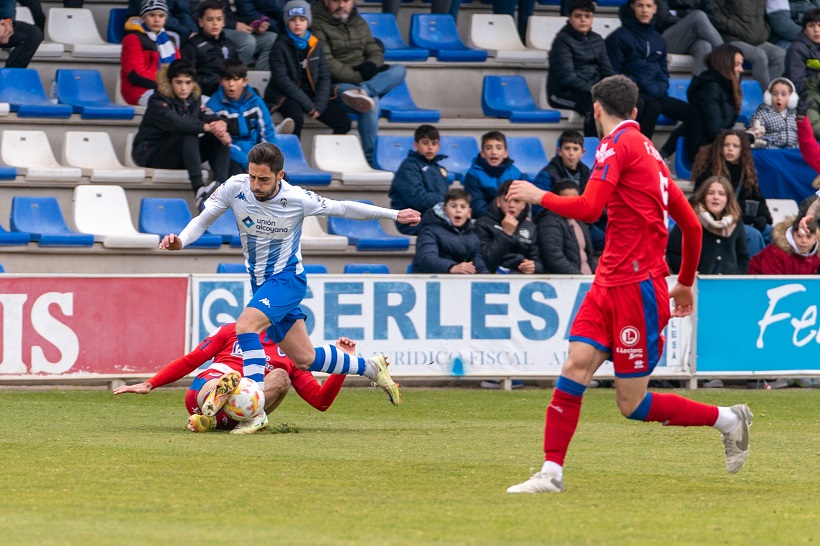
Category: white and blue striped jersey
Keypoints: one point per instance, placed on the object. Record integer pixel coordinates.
(271, 230)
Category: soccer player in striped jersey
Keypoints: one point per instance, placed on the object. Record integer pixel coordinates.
(623, 315)
(269, 213)
(222, 347)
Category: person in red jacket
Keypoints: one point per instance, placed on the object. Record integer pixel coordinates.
(793, 252)
(145, 48)
(223, 347)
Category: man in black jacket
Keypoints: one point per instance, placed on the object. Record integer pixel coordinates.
(207, 50)
(577, 61)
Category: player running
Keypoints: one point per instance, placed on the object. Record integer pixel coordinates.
(269, 213)
(623, 315)
(222, 347)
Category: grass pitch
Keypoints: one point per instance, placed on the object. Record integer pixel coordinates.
(85, 467)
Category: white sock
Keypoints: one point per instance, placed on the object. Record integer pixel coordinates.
(727, 420)
(553, 469)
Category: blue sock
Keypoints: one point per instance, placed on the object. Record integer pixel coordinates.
(569, 386)
(642, 411)
(253, 357)
(331, 360)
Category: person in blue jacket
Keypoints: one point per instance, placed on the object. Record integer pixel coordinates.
(420, 181)
(638, 51)
(249, 121)
(489, 170)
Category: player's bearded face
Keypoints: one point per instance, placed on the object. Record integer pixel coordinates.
(264, 182)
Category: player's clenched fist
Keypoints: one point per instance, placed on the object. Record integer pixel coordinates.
(170, 242)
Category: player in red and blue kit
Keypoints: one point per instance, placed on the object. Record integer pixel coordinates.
(623, 315)
(222, 347)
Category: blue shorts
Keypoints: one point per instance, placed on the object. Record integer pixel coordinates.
(279, 298)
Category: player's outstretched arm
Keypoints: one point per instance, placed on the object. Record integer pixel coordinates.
(586, 208)
(140, 388)
(526, 191)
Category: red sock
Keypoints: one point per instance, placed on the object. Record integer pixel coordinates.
(562, 419)
(676, 411)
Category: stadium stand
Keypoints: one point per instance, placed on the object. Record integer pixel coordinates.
(102, 211)
(231, 268)
(121, 101)
(683, 163)
(10, 238)
(42, 219)
(677, 90)
(366, 234)
(342, 156)
(225, 227)
(509, 97)
(116, 25)
(752, 98)
(297, 168)
(314, 237)
(45, 49)
(315, 269)
(157, 175)
(84, 91)
(76, 30)
(438, 33)
(541, 31)
(94, 154)
(590, 145)
(782, 209)
(391, 150)
(358, 269)
(2, 269)
(605, 25)
(460, 152)
(30, 153)
(499, 36)
(398, 106)
(22, 90)
(528, 153)
(258, 80)
(162, 216)
(384, 27)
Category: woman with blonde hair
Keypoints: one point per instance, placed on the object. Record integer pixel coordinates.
(724, 242)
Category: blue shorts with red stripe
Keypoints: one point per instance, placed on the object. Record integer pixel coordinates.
(626, 321)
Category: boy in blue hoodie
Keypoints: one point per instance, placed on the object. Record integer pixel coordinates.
(489, 170)
(420, 181)
(249, 121)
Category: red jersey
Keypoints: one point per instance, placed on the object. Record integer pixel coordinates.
(634, 184)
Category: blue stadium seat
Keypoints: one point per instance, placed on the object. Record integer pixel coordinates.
(116, 25)
(677, 90)
(439, 34)
(383, 26)
(170, 215)
(752, 98)
(590, 145)
(367, 268)
(41, 217)
(225, 227)
(610, 3)
(296, 167)
(226, 267)
(1, 269)
(8, 173)
(683, 163)
(509, 97)
(21, 88)
(85, 92)
(528, 154)
(366, 234)
(315, 269)
(398, 106)
(391, 150)
(460, 152)
(409, 268)
(13, 237)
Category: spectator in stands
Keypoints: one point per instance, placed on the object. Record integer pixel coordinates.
(210, 47)
(249, 40)
(447, 242)
(300, 78)
(437, 6)
(488, 171)
(525, 9)
(247, 116)
(714, 98)
(565, 244)
(356, 63)
(803, 65)
(145, 48)
(742, 23)
(577, 61)
(774, 122)
(724, 246)
(22, 38)
(420, 181)
(180, 23)
(509, 243)
(730, 156)
(638, 51)
(168, 136)
(793, 252)
(264, 14)
(687, 31)
(785, 19)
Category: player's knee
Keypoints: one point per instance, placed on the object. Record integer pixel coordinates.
(276, 382)
(627, 404)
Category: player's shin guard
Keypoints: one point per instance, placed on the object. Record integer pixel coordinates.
(253, 358)
(331, 360)
(675, 410)
(562, 419)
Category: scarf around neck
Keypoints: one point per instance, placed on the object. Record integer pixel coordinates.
(723, 227)
(301, 43)
(165, 45)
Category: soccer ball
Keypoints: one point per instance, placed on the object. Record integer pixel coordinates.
(246, 402)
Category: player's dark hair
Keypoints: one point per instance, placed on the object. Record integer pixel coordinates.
(494, 135)
(570, 137)
(617, 95)
(454, 194)
(732, 206)
(425, 131)
(565, 184)
(233, 69)
(633, 1)
(181, 67)
(710, 160)
(811, 16)
(268, 154)
(583, 5)
(722, 60)
(505, 187)
(210, 4)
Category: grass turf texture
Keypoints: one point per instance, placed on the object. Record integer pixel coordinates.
(85, 467)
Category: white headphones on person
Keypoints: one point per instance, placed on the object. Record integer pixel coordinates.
(793, 96)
